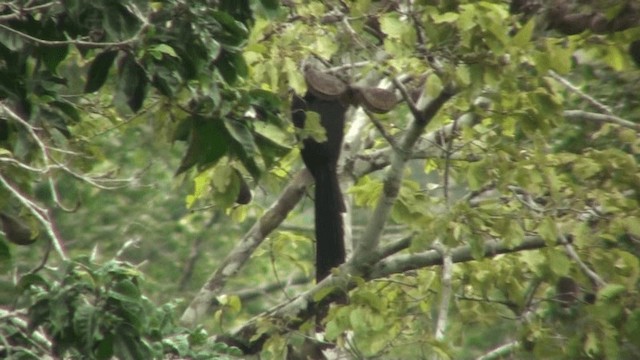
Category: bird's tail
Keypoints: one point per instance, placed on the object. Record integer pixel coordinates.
(329, 207)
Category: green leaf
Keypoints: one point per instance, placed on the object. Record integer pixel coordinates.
(98, 70)
(477, 175)
(611, 292)
(448, 17)
(200, 183)
(325, 47)
(393, 26)
(133, 82)
(244, 145)
(30, 280)
(158, 50)
(233, 32)
(160, 83)
(129, 345)
(522, 38)
(333, 330)
(5, 255)
(559, 263)
(591, 345)
(12, 41)
(208, 142)
(231, 66)
(585, 168)
(271, 151)
(270, 4)
(548, 230)
(85, 323)
(632, 326)
(313, 127)
(126, 290)
(68, 109)
(560, 57)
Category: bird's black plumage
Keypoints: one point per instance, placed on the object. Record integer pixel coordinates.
(321, 158)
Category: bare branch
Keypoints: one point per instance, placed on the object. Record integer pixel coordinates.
(571, 252)
(407, 262)
(91, 44)
(40, 213)
(25, 10)
(584, 115)
(501, 351)
(580, 93)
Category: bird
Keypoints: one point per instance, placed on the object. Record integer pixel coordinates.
(321, 159)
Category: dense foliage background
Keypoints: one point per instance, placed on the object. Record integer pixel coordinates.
(153, 203)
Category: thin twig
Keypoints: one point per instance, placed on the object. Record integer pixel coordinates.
(56, 43)
(571, 252)
(591, 100)
(40, 213)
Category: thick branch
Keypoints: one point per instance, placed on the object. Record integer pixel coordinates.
(295, 312)
(369, 241)
(402, 263)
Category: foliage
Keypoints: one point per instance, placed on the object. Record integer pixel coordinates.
(511, 205)
(98, 312)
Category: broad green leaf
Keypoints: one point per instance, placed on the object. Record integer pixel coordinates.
(126, 290)
(393, 26)
(68, 109)
(132, 82)
(86, 326)
(233, 32)
(610, 292)
(200, 184)
(522, 38)
(477, 175)
(558, 262)
(591, 345)
(244, 146)
(270, 4)
(208, 142)
(333, 330)
(99, 69)
(221, 177)
(448, 17)
(560, 57)
(616, 58)
(325, 47)
(585, 168)
(294, 77)
(548, 230)
(162, 49)
(313, 127)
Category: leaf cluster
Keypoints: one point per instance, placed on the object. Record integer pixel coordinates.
(98, 312)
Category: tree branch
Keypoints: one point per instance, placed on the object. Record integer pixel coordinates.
(590, 99)
(369, 241)
(584, 115)
(91, 44)
(292, 314)
(278, 211)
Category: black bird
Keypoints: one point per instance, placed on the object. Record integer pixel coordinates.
(321, 158)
